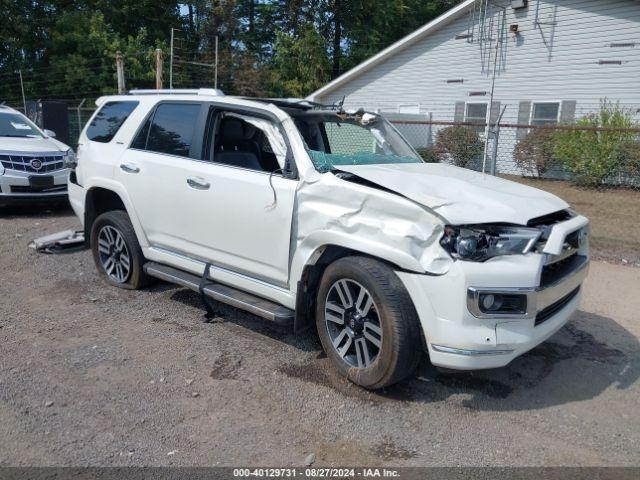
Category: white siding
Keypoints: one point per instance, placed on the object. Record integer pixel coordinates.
(555, 59)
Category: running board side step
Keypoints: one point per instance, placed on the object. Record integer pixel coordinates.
(221, 293)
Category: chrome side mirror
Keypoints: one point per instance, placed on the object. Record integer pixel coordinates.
(50, 133)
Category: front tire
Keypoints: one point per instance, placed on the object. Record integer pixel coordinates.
(116, 251)
(367, 323)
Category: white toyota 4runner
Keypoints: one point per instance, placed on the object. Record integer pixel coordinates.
(304, 214)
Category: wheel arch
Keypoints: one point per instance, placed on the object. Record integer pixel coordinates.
(100, 199)
(312, 271)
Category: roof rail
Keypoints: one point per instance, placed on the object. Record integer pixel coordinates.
(215, 92)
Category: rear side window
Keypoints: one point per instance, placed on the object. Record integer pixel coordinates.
(172, 129)
(108, 120)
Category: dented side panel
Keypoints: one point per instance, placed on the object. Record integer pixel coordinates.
(332, 211)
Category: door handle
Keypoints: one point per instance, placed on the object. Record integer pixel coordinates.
(198, 183)
(129, 168)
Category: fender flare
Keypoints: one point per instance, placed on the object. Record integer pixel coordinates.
(308, 252)
(118, 189)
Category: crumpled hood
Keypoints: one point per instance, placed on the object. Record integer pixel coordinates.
(459, 195)
(31, 145)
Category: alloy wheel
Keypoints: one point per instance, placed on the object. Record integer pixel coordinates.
(114, 255)
(353, 323)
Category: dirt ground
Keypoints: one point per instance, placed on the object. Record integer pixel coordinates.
(614, 214)
(93, 375)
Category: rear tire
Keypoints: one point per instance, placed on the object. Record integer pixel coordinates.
(116, 251)
(367, 323)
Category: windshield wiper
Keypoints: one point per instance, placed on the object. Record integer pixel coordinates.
(20, 136)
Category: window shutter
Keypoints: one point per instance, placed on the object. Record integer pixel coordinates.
(459, 114)
(495, 113)
(524, 111)
(568, 111)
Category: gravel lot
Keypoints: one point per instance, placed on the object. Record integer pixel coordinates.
(93, 375)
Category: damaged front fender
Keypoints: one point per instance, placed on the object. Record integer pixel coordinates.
(333, 211)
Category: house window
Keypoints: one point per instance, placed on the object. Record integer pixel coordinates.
(409, 108)
(476, 113)
(545, 113)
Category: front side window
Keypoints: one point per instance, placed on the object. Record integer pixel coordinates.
(476, 113)
(335, 139)
(13, 124)
(172, 129)
(106, 123)
(246, 141)
(545, 113)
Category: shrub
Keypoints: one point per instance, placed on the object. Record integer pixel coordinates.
(534, 153)
(458, 145)
(428, 154)
(592, 156)
(630, 159)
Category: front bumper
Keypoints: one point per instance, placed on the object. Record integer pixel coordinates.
(15, 187)
(458, 338)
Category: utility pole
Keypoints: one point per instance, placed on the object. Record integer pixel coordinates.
(215, 75)
(24, 100)
(159, 59)
(171, 61)
(120, 72)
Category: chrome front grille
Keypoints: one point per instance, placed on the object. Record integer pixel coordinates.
(555, 271)
(550, 219)
(33, 162)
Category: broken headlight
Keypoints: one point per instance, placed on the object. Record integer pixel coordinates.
(478, 243)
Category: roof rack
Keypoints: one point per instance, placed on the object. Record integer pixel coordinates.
(298, 103)
(215, 92)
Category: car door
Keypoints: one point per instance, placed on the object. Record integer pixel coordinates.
(234, 216)
(241, 210)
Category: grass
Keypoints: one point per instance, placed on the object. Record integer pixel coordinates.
(614, 216)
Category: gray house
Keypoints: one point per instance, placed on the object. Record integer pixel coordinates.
(546, 61)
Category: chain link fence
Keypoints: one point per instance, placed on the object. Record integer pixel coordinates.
(77, 118)
(586, 155)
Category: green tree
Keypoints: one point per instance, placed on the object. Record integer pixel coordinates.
(66, 48)
(82, 54)
(300, 64)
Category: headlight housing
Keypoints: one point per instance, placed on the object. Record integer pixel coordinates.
(70, 159)
(478, 243)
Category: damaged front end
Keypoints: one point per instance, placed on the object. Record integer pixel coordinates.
(482, 242)
(332, 211)
(493, 267)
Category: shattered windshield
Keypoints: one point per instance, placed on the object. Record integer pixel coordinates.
(334, 139)
(15, 125)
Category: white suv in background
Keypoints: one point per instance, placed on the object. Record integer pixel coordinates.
(34, 166)
(305, 214)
